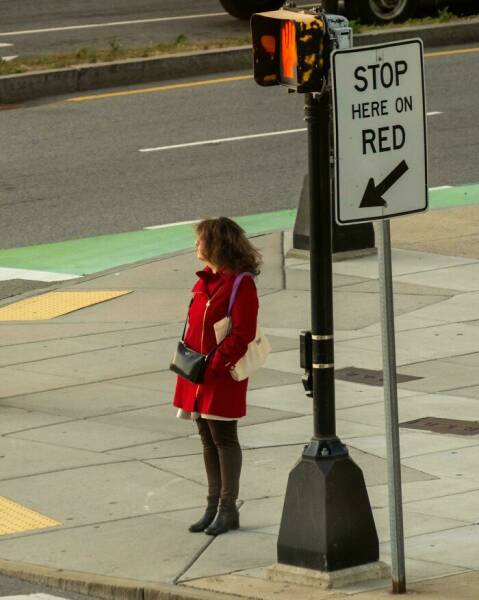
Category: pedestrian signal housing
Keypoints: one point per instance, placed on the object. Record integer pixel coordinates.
(293, 47)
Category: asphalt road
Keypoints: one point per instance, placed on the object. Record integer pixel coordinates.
(74, 169)
(163, 21)
(48, 26)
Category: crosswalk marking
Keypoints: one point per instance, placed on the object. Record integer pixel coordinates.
(38, 596)
(7, 274)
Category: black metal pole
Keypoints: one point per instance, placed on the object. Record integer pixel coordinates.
(327, 522)
(317, 119)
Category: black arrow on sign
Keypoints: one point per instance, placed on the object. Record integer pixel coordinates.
(373, 193)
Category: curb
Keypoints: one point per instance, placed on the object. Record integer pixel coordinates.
(29, 86)
(102, 586)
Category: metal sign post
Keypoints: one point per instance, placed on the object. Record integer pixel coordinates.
(398, 569)
(381, 172)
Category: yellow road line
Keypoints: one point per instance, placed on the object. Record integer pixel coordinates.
(161, 88)
(451, 52)
(192, 84)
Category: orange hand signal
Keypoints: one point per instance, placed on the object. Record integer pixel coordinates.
(288, 50)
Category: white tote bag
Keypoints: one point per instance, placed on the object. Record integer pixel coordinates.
(257, 350)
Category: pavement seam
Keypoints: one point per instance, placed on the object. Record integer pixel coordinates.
(192, 561)
(475, 445)
(61, 528)
(88, 351)
(163, 470)
(83, 383)
(73, 468)
(82, 335)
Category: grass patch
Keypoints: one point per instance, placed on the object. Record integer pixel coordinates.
(114, 51)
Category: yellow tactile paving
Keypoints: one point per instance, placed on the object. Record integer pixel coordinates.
(55, 304)
(15, 518)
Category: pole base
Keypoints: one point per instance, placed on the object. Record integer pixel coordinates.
(327, 522)
(326, 580)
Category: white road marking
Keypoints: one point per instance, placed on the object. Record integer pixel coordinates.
(7, 274)
(32, 597)
(235, 139)
(171, 224)
(110, 24)
(121, 23)
(440, 187)
(5, 45)
(222, 140)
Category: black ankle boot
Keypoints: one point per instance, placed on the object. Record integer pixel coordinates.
(205, 520)
(226, 519)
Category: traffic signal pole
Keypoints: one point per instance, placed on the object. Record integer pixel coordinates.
(327, 522)
(317, 119)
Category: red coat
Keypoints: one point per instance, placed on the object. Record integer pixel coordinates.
(219, 394)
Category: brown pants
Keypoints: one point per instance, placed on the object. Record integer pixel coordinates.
(223, 459)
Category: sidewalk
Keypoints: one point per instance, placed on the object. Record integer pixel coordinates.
(90, 443)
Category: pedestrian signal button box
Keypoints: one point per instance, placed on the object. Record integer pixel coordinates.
(290, 48)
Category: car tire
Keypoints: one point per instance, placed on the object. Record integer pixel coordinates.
(243, 9)
(381, 11)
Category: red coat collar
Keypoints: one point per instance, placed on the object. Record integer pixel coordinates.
(206, 276)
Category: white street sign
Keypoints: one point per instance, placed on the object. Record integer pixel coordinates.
(380, 131)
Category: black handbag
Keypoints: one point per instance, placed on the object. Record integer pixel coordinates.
(188, 363)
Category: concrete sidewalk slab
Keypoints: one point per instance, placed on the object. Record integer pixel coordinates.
(18, 419)
(22, 458)
(464, 507)
(459, 308)
(115, 548)
(25, 353)
(141, 306)
(26, 332)
(439, 376)
(91, 436)
(444, 341)
(250, 549)
(97, 365)
(414, 491)
(126, 478)
(296, 431)
(88, 400)
(456, 462)
(463, 278)
(413, 444)
(415, 407)
(405, 262)
(18, 381)
(458, 545)
(104, 493)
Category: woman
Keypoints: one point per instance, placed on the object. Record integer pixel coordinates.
(220, 401)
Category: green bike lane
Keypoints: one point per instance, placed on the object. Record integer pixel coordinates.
(87, 256)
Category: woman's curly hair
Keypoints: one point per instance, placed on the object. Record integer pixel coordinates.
(225, 245)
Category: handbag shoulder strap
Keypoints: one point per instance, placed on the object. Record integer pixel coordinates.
(238, 279)
(186, 320)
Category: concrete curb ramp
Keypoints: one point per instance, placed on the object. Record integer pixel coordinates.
(18, 88)
(108, 588)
